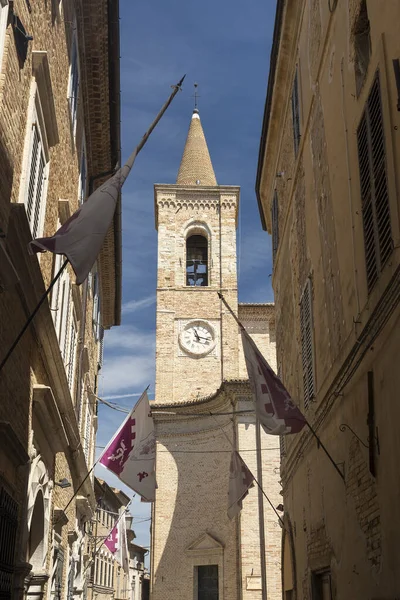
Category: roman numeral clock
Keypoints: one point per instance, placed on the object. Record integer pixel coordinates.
(197, 338)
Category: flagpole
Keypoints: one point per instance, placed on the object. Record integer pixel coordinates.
(255, 480)
(261, 511)
(32, 315)
(305, 420)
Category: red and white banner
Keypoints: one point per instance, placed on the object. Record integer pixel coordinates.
(131, 453)
(117, 543)
(240, 480)
(274, 407)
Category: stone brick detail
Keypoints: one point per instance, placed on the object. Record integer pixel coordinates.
(361, 487)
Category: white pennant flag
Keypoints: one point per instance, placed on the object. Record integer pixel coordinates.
(131, 453)
(240, 481)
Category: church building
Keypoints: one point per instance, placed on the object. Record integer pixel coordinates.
(203, 405)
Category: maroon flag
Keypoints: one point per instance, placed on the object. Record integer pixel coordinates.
(240, 481)
(275, 408)
(130, 455)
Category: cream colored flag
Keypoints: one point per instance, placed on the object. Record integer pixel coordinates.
(240, 481)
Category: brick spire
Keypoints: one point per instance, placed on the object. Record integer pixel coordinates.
(196, 167)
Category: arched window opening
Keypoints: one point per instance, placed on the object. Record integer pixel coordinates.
(196, 261)
(36, 534)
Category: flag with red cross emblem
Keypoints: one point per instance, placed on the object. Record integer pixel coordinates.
(275, 408)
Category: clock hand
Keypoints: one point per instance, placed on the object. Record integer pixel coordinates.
(196, 334)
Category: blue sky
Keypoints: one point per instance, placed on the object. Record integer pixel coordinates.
(224, 46)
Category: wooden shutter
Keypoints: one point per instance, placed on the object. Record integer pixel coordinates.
(32, 173)
(275, 225)
(307, 343)
(378, 241)
(296, 112)
(72, 353)
(74, 83)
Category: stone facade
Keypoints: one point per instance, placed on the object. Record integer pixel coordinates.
(327, 189)
(51, 150)
(190, 526)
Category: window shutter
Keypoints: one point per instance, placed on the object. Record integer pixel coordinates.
(296, 112)
(32, 174)
(72, 353)
(378, 241)
(74, 83)
(307, 344)
(275, 225)
(101, 348)
(87, 433)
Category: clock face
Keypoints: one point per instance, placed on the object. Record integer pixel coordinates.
(197, 338)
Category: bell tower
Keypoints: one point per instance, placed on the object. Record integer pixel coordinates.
(196, 219)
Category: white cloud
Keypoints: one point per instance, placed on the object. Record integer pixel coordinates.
(135, 305)
(129, 361)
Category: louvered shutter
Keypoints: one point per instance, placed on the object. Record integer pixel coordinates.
(275, 225)
(296, 112)
(307, 344)
(378, 241)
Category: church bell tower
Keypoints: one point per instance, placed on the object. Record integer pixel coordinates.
(196, 219)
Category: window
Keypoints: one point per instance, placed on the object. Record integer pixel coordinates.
(82, 174)
(321, 585)
(275, 225)
(362, 46)
(88, 433)
(207, 582)
(8, 534)
(96, 317)
(296, 112)
(282, 446)
(378, 241)
(73, 86)
(196, 261)
(37, 175)
(72, 352)
(307, 343)
(3, 28)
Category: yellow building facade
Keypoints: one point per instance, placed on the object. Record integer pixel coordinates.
(327, 186)
(59, 129)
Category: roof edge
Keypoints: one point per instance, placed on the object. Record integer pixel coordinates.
(270, 86)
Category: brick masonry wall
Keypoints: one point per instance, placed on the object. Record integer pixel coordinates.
(52, 32)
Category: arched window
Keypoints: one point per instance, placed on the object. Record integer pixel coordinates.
(196, 261)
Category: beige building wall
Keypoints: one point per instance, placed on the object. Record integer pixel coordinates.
(49, 382)
(339, 534)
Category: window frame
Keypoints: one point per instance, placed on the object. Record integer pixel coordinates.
(202, 234)
(35, 124)
(74, 82)
(378, 245)
(275, 225)
(4, 7)
(295, 104)
(83, 181)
